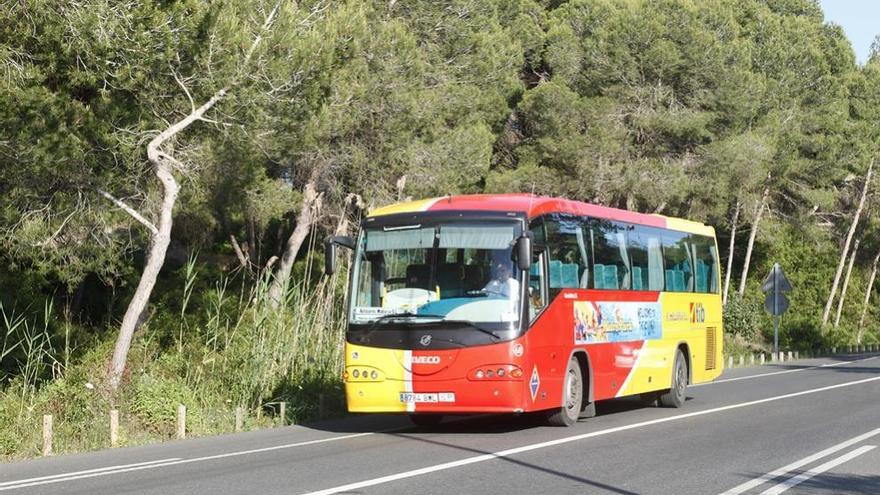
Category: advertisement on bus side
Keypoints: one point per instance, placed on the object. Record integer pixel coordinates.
(598, 322)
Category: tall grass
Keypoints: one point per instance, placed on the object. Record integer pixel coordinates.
(27, 351)
(226, 344)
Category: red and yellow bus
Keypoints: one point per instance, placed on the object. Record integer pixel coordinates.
(516, 303)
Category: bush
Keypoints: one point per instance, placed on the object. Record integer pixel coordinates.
(155, 400)
(742, 319)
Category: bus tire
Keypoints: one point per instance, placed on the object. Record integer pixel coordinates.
(572, 397)
(426, 420)
(675, 396)
(649, 399)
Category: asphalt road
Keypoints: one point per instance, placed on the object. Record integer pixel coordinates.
(807, 427)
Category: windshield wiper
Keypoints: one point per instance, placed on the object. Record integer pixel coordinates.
(382, 318)
(475, 327)
(375, 325)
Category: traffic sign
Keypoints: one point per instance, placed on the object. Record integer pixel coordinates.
(776, 279)
(776, 285)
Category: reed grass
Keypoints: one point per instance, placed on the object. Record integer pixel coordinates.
(227, 345)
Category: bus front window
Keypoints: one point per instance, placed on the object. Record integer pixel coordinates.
(461, 272)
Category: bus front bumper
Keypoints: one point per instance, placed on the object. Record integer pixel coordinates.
(447, 396)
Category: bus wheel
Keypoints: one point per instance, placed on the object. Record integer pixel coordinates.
(573, 397)
(649, 399)
(675, 396)
(426, 420)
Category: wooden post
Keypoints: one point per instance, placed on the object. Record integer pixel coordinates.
(239, 418)
(47, 435)
(114, 427)
(181, 421)
(283, 412)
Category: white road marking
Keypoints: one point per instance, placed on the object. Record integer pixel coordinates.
(819, 366)
(97, 470)
(574, 438)
(12, 485)
(105, 471)
(797, 480)
(799, 464)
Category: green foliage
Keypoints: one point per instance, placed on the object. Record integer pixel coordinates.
(742, 318)
(155, 399)
(676, 107)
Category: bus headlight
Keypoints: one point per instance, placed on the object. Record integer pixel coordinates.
(364, 374)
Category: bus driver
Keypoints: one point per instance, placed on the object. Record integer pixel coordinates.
(502, 284)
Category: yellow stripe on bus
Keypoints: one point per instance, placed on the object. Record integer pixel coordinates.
(688, 226)
(681, 324)
(408, 207)
(373, 396)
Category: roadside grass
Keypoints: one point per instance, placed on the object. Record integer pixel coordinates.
(235, 348)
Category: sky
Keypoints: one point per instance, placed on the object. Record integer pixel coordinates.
(858, 18)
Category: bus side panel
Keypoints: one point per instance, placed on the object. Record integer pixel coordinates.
(554, 337)
(694, 319)
(626, 367)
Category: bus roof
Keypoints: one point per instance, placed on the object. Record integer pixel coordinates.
(533, 206)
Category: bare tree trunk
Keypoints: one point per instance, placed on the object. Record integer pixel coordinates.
(759, 212)
(155, 259)
(401, 185)
(242, 257)
(852, 261)
(163, 164)
(733, 225)
(849, 236)
(868, 292)
(304, 221)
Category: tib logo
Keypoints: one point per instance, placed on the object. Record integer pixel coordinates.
(698, 313)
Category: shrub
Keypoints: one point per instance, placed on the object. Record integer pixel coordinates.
(742, 318)
(155, 399)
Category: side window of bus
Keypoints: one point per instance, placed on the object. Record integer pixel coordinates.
(646, 256)
(679, 262)
(608, 251)
(567, 248)
(537, 279)
(705, 265)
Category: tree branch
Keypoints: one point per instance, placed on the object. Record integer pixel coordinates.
(192, 104)
(131, 211)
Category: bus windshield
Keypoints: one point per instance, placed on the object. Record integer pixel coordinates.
(430, 273)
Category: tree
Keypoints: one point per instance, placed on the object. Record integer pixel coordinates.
(308, 214)
(869, 289)
(849, 235)
(760, 205)
(852, 261)
(165, 163)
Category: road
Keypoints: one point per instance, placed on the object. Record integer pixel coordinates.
(806, 427)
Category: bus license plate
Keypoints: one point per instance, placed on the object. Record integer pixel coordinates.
(416, 398)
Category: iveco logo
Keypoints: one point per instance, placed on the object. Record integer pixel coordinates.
(426, 359)
(425, 340)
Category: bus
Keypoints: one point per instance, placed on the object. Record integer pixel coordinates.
(516, 303)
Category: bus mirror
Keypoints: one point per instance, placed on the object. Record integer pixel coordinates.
(524, 252)
(330, 251)
(329, 257)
